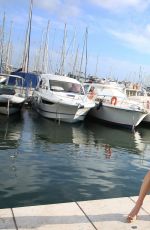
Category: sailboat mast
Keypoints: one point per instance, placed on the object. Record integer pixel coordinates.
(61, 70)
(86, 37)
(38, 63)
(75, 61)
(51, 53)
(96, 66)
(25, 64)
(140, 75)
(85, 44)
(2, 44)
(8, 48)
(45, 48)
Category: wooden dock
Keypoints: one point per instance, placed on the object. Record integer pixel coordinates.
(84, 215)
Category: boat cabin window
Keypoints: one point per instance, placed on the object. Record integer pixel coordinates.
(135, 93)
(14, 81)
(86, 88)
(42, 83)
(75, 88)
(140, 93)
(61, 86)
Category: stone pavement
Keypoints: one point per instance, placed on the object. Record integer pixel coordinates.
(85, 215)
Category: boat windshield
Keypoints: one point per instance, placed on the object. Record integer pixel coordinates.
(110, 91)
(102, 90)
(133, 92)
(61, 86)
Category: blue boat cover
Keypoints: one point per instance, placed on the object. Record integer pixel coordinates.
(31, 79)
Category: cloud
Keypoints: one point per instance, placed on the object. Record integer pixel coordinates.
(49, 5)
(135, 40)
(59, 8)
(121, 4)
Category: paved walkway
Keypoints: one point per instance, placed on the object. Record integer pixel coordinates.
(87, 215)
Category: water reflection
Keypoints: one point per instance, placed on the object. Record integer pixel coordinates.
(15, 128)
(53, 132)
(89, 133)
(10, 131)
(116, 138)
(48, 162)
(108, 151)
(92, 137)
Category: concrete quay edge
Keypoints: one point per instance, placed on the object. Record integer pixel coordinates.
(101, 214)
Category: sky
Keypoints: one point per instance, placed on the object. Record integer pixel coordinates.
(118, 38)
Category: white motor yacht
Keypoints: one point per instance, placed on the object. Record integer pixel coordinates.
(114, 107)
(12, 96)
(139, 94)
(62, 98)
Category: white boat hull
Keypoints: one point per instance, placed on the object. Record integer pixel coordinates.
(61, 112)
(10, 104)
(11, 94)
(145, 101)
(118, 116)
(147, 118)
(12, 99)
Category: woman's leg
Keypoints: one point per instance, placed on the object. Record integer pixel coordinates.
(145, 188)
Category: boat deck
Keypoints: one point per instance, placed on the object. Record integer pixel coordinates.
(85, 215)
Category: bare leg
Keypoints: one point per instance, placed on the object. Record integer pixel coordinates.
(145, 188)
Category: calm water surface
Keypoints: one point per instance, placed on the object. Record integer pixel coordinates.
(43, 162)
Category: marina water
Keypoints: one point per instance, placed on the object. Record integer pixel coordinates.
(45, 162)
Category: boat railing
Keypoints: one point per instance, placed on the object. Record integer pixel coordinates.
(124, 102)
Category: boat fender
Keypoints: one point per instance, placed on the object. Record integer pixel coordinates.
(114, 100)
(80, 106)
(100, 104)
(148, 105)
(39, 100)
(134, 86)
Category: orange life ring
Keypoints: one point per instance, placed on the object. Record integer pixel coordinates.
(114, 100)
